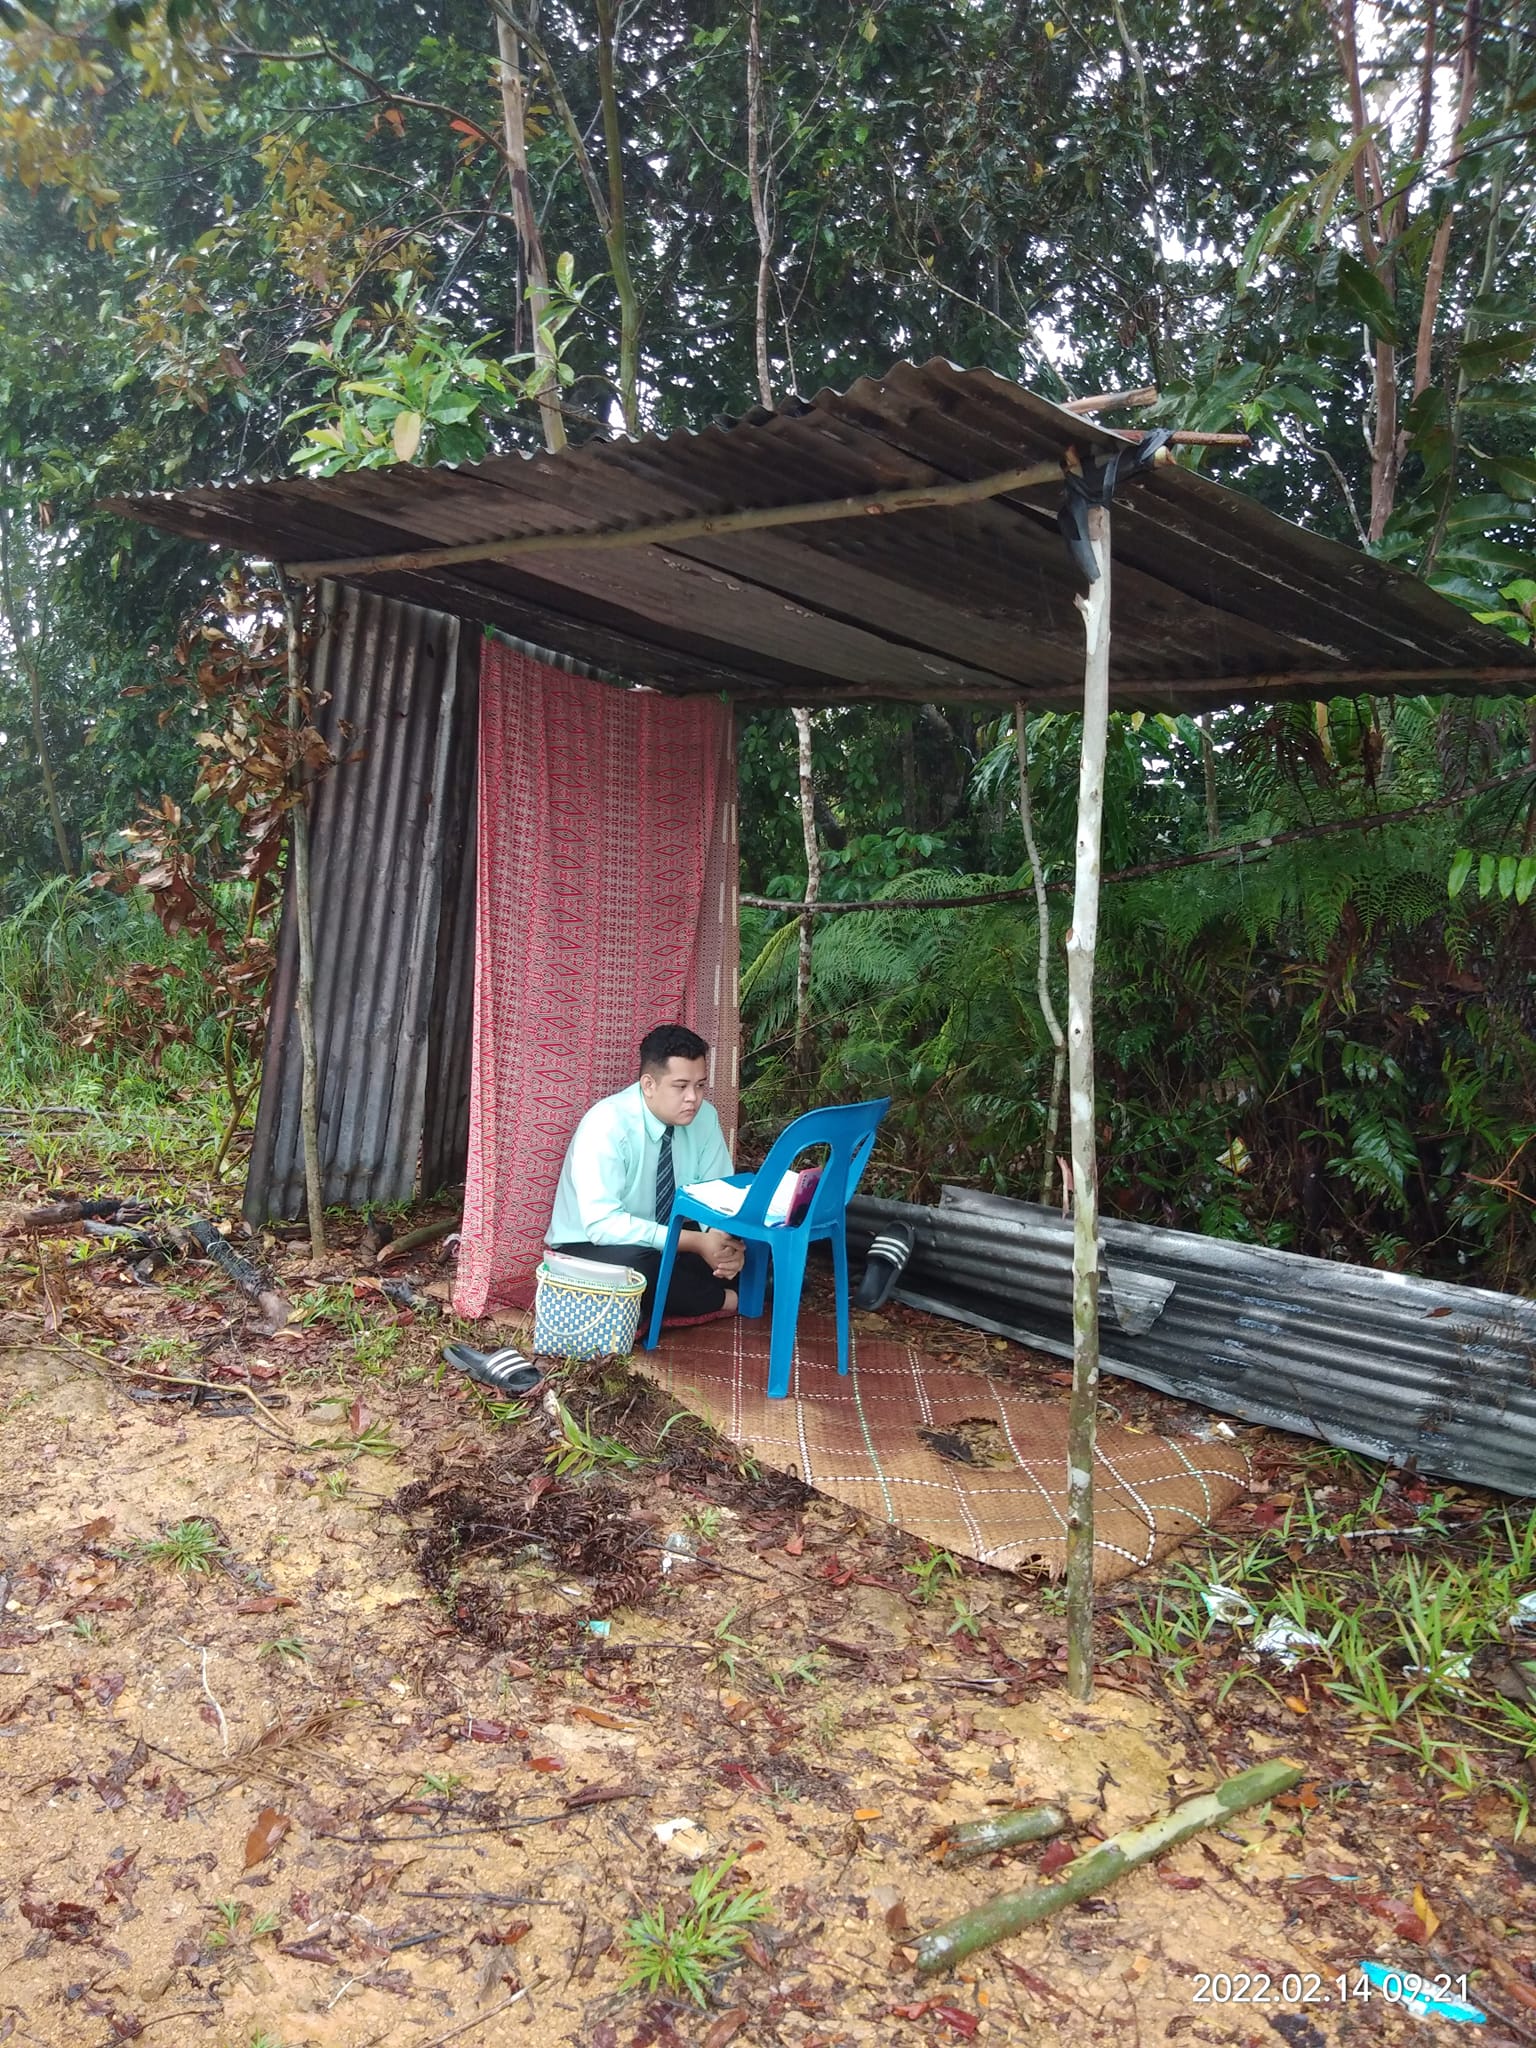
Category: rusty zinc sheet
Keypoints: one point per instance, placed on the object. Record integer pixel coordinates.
(1419, 1373)
(393, 880)
(1216, 598)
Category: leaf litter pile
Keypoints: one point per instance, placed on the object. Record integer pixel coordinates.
(554, 1507)
(340, 1704)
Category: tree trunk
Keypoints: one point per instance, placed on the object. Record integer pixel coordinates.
(616, 227)
(1043, 955)
(26, 658)
(514, 123)
(1208, 768)
(1154, 206)
(812, 886)
(1376, 237)
(298, 826)
(758, 198)
(1081, 942)
(1434, 274)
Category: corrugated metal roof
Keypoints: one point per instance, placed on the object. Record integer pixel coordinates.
(393, 865)
(1215, 597)
(1412, 1371)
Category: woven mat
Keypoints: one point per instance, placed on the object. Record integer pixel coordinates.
(859, 1438)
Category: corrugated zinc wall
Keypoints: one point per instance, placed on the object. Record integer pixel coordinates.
(1420, 1373)
(393, 879)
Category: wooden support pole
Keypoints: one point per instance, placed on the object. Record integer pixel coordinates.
(298, 840)
(1081, 942)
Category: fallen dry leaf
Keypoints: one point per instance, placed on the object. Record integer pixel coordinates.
(796, 1544)
(546, 1763)
(1519, 1989)
(727, 2027)
(1426, 1912)
(600, 1718)
(270, 1828)
(64, 1918)
(1057, 1857)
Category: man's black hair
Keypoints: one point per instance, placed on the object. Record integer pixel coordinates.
(670, 1042)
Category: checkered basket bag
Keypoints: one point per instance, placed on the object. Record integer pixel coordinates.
(594, 1317)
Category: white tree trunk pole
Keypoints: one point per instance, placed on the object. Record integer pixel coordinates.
(1081, 941)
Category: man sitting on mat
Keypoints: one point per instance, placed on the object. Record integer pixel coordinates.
(631, 1153)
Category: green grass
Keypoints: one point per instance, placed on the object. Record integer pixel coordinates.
(172, 1350)
(582, 1450)
(149, 1073)
(1397, 1636)
(373, 1441)
(194, 1548)
(442, 1784)
(707, 1937)
(933, 1571)
(292, 1647)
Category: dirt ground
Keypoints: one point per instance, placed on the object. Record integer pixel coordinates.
(369, 1776)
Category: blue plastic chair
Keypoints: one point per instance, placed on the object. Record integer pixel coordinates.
(848, 1131)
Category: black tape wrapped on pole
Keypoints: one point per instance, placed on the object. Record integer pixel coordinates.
(1096, 485)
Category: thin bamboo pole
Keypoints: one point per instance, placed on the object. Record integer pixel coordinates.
(752, 519)
(298, 828)
(812, 885)
(1043, 953)
(1082, 939)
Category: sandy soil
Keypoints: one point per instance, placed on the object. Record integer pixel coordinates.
(287, 1801)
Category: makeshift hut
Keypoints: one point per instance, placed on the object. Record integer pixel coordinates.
(531, 650)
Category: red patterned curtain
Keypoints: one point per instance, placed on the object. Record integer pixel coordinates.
(607, 904)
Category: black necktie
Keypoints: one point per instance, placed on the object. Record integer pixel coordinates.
(665, 1187)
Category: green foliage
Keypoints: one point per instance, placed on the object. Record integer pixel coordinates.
(1309, 1045)
(404, 388)
(582, 1449)
(703, 1940)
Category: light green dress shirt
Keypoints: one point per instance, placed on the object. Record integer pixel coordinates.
(607, 1191)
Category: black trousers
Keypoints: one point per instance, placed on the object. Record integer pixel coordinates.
(693, 1291)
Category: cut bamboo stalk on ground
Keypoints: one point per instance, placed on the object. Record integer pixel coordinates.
(1082, 939)
(1100, 1867)
(1002, 1831)
(413, 1240)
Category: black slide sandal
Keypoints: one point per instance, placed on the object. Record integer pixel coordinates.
(505, 1372)
(883, 1266)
